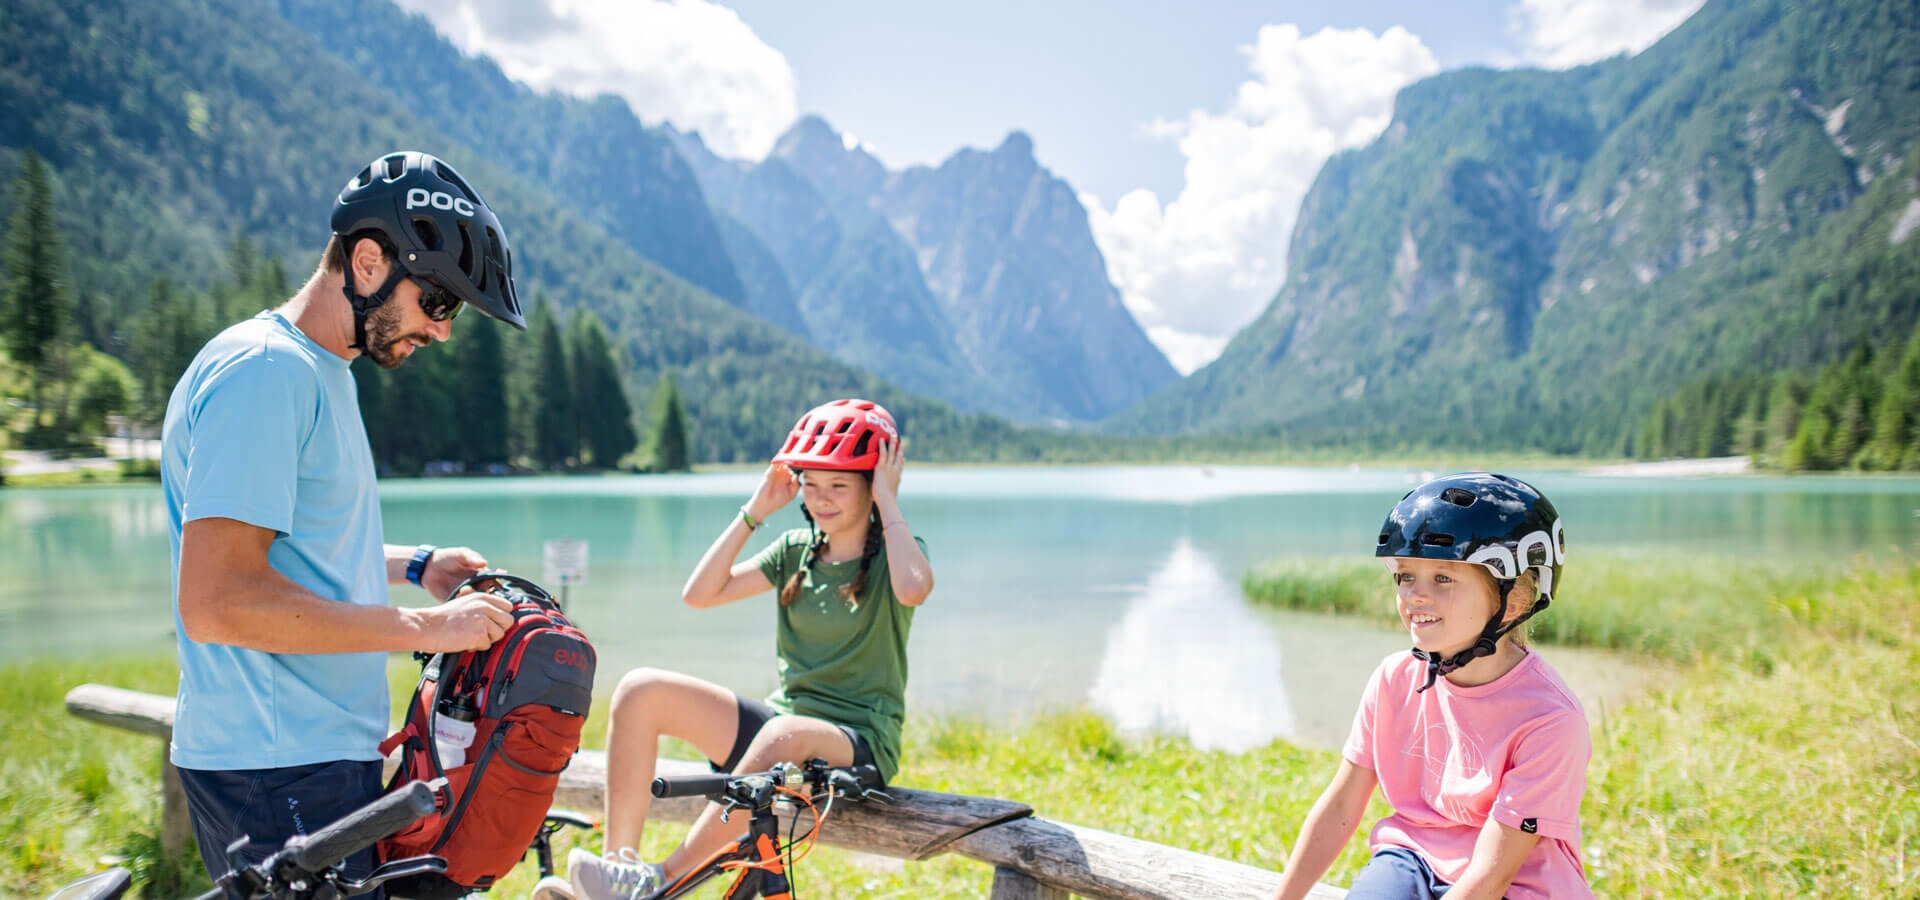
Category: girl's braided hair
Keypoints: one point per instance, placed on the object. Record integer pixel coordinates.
(817, 541)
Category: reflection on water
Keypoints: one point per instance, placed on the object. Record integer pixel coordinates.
(1189, 658)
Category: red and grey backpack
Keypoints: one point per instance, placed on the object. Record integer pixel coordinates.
(527, 696)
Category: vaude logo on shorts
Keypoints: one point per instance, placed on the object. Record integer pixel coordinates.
(418, 197)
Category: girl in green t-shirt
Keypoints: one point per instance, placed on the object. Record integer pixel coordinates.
(848, 585)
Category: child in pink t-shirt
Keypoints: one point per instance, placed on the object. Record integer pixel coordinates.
(1474, 740)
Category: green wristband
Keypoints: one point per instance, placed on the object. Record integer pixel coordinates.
(751, 524)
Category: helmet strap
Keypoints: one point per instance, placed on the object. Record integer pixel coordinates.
(1487, 644)
(363, 306)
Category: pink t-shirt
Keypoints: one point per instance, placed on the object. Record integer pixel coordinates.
(1515, 748)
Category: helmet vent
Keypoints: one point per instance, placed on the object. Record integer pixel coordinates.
(396, 165)
(1457, 497)
(1433, 539)
(445, 171)
(362, 180)
(428, 232)
(466, 247)
(1383, 539)
(495, 251)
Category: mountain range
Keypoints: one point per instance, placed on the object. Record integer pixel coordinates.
(1532, 259)
(977, 281)
(1523, 259)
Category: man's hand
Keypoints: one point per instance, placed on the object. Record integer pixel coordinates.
(471, 621)
(449, 568)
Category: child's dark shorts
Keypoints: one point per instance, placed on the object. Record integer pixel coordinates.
(755, 714)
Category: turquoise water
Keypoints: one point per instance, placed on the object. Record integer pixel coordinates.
(1115, 587)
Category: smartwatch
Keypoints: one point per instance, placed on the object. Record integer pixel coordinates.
(418, 564)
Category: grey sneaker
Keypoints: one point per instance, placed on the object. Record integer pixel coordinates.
(621, 877)
(552, 887)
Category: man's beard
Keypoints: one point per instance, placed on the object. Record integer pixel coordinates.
(384, 339)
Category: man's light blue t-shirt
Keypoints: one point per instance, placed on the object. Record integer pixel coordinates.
(264, 427)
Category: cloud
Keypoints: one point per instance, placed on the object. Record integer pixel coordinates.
(1197, 268)
(1561, 34)
(688, 61)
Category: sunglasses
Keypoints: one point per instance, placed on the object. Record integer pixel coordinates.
(437, 302)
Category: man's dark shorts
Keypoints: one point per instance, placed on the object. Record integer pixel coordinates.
(271, 805)
(755, 714)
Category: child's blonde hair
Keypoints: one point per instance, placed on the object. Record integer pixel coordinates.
(1526, 589)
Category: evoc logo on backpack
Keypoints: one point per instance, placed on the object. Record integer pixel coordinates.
(418, 197)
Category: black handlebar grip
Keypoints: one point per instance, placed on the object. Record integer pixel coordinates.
(318, 851)
(690, 785)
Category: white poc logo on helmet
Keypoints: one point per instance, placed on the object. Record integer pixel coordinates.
(882, 424)
(418, 197)
(1507, 563)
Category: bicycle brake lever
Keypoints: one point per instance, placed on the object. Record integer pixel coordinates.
(399, 868)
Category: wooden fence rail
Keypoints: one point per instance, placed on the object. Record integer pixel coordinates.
(1033, 858)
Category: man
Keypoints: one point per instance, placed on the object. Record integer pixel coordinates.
(280, 566)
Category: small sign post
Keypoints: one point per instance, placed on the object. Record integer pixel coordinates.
(565, 563)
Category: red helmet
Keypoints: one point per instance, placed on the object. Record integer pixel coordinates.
(844, 435)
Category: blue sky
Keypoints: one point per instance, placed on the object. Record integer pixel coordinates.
(917, 83)
(1191, 131)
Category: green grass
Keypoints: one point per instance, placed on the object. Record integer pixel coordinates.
(74, 794)
(1782, 760)
(1673, 608)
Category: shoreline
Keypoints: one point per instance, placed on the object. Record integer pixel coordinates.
(1675, 468)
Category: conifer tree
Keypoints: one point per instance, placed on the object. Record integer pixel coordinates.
(36, 307)
(1785, 403)
(554, 442)
(1896, 420)
(667, 447)
(603, 417)
(480, 391)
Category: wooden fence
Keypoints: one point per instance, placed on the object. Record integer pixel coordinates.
(1033, 858)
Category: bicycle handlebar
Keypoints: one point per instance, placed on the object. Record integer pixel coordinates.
(857, 781)
(690, 785)
(320, 850)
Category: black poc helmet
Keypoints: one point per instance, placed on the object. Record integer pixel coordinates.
(439, 228)
(1490, 520)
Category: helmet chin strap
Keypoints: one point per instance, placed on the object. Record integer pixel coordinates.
(363, 306)
(1487, 644)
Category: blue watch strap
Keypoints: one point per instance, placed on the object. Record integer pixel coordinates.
(418, 564)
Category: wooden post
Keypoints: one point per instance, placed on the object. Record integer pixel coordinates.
(175, 827)
(1009, 884)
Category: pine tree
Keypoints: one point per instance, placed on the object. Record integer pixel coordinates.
(168, 333)
(603, 418)
(1856, 393)
(522, 377)
(480, 394)
(554, 441)
(1785, 404)
(1749, 431)
(36, 304)
(667, 448)
(1896, 420)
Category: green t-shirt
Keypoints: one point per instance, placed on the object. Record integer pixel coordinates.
(845, 664)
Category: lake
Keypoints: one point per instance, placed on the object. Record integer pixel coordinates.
(1114, 588)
